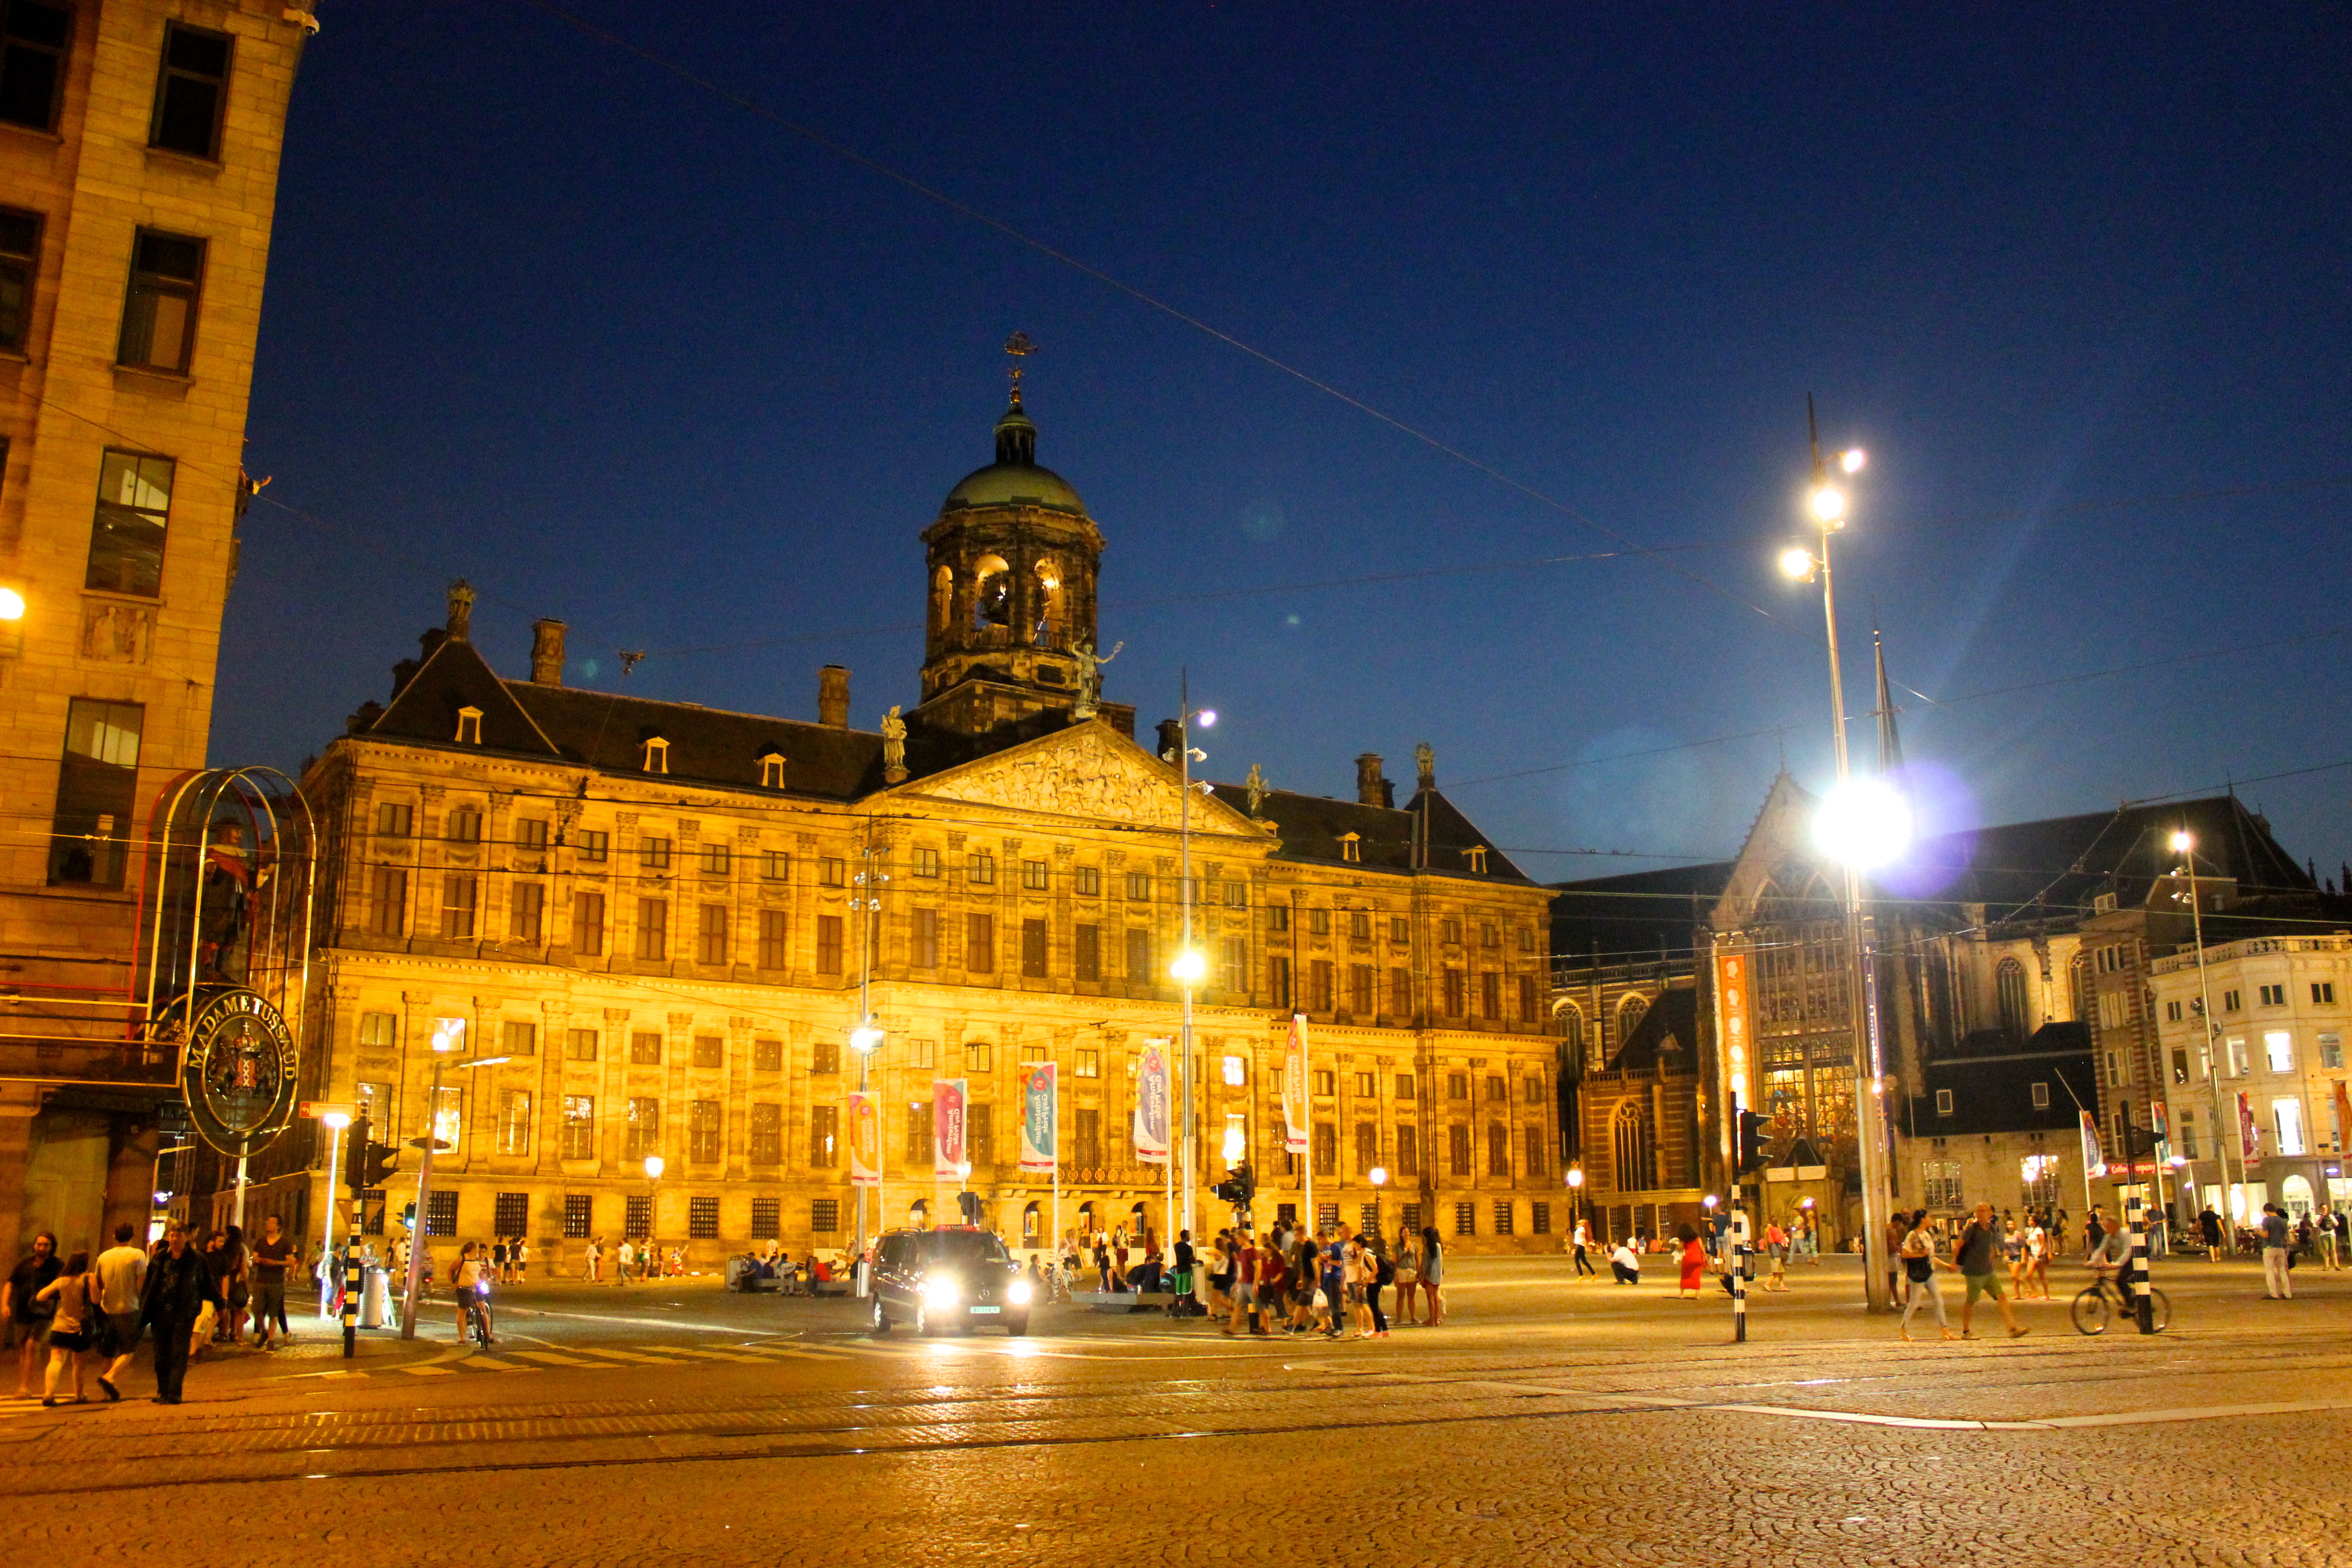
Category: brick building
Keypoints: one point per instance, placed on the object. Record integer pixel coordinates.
(139, 151)
(652, 911)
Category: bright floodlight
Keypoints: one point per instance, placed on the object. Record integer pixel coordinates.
(1853, 459)
(12, 604)
(1576, 1176)
(1862, 824)
(1798, 563)
(1188, 968)
(1828, 504)
(652, 1167)
(1235, 1143)
(1206, 717)
(337, 1120)
(864, 1038)
(1378, 1175)
(2182, 842)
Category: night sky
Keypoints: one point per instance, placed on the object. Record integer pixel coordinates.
(619, 351)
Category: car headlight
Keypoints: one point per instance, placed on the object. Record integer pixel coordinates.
(1018, 1292)
(940, 1293)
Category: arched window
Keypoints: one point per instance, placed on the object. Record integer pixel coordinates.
(943, 598)
(2008, 984)
(992, 600)
(1634, 1151)
(919, 1213)
(1030, 1223)
(1570, 1018)
(1048, 630)
(1629, 1017)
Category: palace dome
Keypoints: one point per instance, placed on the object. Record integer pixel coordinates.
(1015, 479)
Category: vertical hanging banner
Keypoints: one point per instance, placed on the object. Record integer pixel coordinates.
(2094, 1162)
(1731, 996)
(1294, 1088)
(1041, 1095)
(1152, 1104)
(864, 1141)
(2249, 1138)
(948, 1153)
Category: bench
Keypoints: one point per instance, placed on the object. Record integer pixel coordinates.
(1123, 1301)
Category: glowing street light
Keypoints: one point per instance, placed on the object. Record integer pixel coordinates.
(1853, 459)
(1187, 968)
(1828, 502)
(1864, 823)
(867, 1038)
(12, 604)
(1798, 564)
(654, 1165)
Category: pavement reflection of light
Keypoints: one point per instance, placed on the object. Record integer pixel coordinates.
(1022, 1350)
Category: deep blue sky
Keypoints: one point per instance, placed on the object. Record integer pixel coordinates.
(621, 352)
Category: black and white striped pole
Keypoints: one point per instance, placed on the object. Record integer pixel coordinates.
(2136, 1209)
(354, 1279)
(1738, 1269)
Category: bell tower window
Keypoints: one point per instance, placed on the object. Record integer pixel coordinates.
(991, 604)
(942, 599)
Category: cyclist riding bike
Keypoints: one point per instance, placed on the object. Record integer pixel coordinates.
(2108, 1260)
(470, 1294)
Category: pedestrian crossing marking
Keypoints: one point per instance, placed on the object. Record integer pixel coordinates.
(552, 1358)
(427, 1371)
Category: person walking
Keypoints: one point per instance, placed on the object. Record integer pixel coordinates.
(1776, 1243)
(1692, 1259)
(592, 1261)
(27, 1314)
(2210, 1225)
(1380, 1273)
(121, 1274)
(1245, 1290)
(1580, 1240)
(272, 1255)
(1975, 1261)
(2276, 1286)
(1432, 1274)
(626, 1256)
(73, 1311)
(179, 1285)
(1919, 1265)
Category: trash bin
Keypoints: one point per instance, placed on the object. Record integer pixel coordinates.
(374, 1300)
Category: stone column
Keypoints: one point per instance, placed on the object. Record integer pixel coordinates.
(19, 1103)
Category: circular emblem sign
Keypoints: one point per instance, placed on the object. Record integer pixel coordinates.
(238, 1071)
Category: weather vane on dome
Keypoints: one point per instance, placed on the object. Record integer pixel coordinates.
(1017, 347)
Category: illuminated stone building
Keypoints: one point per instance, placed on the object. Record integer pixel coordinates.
(651, 909)
(139, 152)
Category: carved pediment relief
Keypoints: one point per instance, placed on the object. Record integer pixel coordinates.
(1085, 772)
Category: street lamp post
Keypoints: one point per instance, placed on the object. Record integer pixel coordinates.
(654, 1166)
(424, 1192)
(1378, 1176)
(334, 1121)
(1827, 503)
(2184, 844)
(1575, 1197)
(1189, 966)
(865, 1039)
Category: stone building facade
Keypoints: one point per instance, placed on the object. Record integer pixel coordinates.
(139, 151)
(668, 919)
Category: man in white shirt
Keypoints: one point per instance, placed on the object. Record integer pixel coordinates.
(121, 1279)
(1626, 1264)
(628, 1256)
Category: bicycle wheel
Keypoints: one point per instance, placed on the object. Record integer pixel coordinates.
(2090, 1311)
(2160, 1309)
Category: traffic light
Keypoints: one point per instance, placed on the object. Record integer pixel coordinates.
(408, 1219)
(968, 1204)
(355, 1145)
(1239, 1187)
(1752, 1137)
(375, 1167)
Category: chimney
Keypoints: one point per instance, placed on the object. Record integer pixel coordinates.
(461, 610)
(833, 696)
(546, 653)
(1371, 788)
(1171, 735)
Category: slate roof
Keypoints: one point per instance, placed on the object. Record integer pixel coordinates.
(1310, 827)
(1672, 1017)
(1993, 1084)
(1639, 917)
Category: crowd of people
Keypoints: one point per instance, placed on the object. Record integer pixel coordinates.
(1287, 1280)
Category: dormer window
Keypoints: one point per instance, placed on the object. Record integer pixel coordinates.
(470, 726)
(1351, 846)
(1476, 856)
(771, 770)
(656, 756)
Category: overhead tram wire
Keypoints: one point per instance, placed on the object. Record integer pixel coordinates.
(809, 134)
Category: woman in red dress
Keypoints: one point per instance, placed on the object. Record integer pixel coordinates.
(1694, 1260)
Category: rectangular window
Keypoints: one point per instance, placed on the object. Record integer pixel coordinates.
(1542, 1219)
(379, 1032)
(767, 1055)
(1456, 989)
(126, 537)
(441, 1212)
(702, 1219)
(1401, 993)
(1490, 997)
(588, 924)
(653, 929)
(767, 1218)
(1943, 1102)
(1364, 1085)
(638, 1217)
(767, 1134)
(710, 1050)
(832, 871)
(392, 819)
(918, 1138)
(824, 1056)
(828, 944)
(824, 1216)
(1085, 1137)
(1138, 887)
(1486, 935)
(1502, 1218)
(1278, 983)
(190, 98)
(464, 825)
(717, 859)
(1033, 876)
(1457, 1150)
(2172, 1012)
(2286, 1115)
(653, 853)
(1360, 925)
(645, 1048)
(2229, 1001)
(1086, 951)
(1531, 1152)
(1368, 1147)
(1235, 976)
(1089, 881)
(1033, 949)
(1457, 1086)
(1408, 1151)
(1939, 1183)
(595, 846)
(1451, 931)
(20, 265)
(1466, 1219)
(33, 38)
(580, 1126)
(526, 910)
(579, 1214)
(824, 1136)
(775, 939)
(579, 1046)
(979, 869)
(514, 1122)
(2331, 1051)
(644, 1128)
(923, 1055)
(517, 1037)
(980, 944)
(1277, 917)
(1527, 1003)
(458, 892)
(159, 315)
(2234, 1052)
(1327, 1082)
(775, 866)
(1498, 1150)
(1318, 985)
(1399, 930)
(2272, 995)
(97, 790)
(2180, 1065)
(1236, 894)
(705, 1133)
(2323, 993)
(2278, 1051)
(1088, 1065)
(1139, 956)
(926, 862)
(926, 954)
(1319, 923)
(449, 1118)
(1327, 1149)
(530, 835)
(2042, 1095)
(980, 1136)
(1360, 989)
(710, 940)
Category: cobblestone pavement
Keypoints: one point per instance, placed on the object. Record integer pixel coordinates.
(1545, 1422)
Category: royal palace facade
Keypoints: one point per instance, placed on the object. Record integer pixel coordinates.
(668, 920)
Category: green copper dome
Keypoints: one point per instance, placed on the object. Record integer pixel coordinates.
(1015, 479)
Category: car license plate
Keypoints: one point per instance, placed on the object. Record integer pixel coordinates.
(987, 1308)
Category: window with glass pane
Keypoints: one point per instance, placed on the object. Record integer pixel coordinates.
(20, 263)
(1033, 876)
(588, 924)
(1236, 966)
(768, 1056)
(189, 98)
(637, 1222)
(980, 944)
(595, 845)
(828, 944)
(1033, 949)
(1089, 881)
(449, 1117)
(926, 954)
(824, 1136)
(1085, 951)
(527, 912)
(767, 1134)
(1139, 956)
(159, 316)
(126, 539)
(1408, 1152)
(33, 38)
(441, 1213)
(653, 929)
(775, 938)
(645, 1127)
(710, 938)
(514, 1122)
(579, 1214)
(717, 859)
(97, 782)
(645, 1048)
(457, 894)
(767, 1218)
(517, 1037)
(579, 1126)
(705, 1125)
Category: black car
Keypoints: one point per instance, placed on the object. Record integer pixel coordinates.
(954, 1277)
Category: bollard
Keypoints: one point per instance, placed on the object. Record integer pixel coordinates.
(1739, 1276)
(354, 1281)
(2143, 1305)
